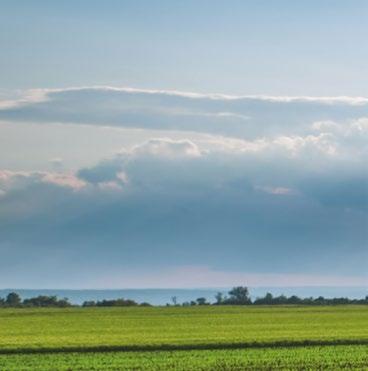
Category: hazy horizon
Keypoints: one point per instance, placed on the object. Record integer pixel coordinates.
(162, 296)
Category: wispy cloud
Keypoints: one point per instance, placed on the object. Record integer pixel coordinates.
(244, 116)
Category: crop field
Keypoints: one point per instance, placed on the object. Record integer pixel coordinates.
(328, 357)
(177, 338)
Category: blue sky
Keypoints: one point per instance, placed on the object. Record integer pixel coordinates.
(237, 47)
(196, 143)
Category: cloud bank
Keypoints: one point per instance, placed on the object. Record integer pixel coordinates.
(269, 187)
(170, 202)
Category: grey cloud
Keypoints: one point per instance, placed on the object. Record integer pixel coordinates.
(225, 210)
(339, 191)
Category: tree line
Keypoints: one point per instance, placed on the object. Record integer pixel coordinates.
(240, 296)
(13, 300)
(236, 296)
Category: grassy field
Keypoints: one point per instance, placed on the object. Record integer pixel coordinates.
(198, 338)
(312, 358)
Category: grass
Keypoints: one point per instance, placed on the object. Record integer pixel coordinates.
(303, 358)
(169, 338)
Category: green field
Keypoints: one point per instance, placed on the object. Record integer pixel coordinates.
(198, 338)
(329, 357)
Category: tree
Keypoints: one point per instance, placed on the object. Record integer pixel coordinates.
(219, 298)
(201, 301)
(268, 298)
(89, 303)
(239, 295)
(46, 301)
(294, 300)
(174, 299)
(13, 300)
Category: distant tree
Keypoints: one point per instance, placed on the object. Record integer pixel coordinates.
(46, 301)
(89, 303)
(13, 300)
(219, 298)
(307, 301)
(174, 300)
(125, 303)
(2, 302)
(282, 299)
(268, 298)
(116, 303)
(239, 295)
(145, 304)
(294, 300)
(201, 301)
(320, 300)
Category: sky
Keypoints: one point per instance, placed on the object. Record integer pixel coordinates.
(183, 144)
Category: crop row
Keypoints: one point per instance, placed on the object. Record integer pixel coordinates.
(313, 358)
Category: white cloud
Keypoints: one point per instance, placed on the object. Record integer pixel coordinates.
(111, 185)
(346, 128)
(38, 95)
(361, 125)
(11, 180)
(168, 148)
(63, 180)
(277, 190)
(324, 126)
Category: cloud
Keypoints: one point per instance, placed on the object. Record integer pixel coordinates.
(276, 190)
(11, 180)
(278, 167)
(63, 180)
(147, 157)
(168, 148)
(234, 116)
(170, 202)
(267, 178)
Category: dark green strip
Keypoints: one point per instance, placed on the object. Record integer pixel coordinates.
(183, 347)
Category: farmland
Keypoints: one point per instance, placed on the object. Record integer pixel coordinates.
(207, 337)
(333, 357)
